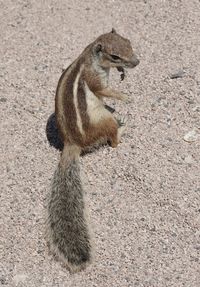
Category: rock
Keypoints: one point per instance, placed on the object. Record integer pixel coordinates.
(191, 136)
(177, 74)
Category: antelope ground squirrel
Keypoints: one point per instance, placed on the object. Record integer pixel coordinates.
(82, 120)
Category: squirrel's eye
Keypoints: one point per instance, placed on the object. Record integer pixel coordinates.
(114, 57)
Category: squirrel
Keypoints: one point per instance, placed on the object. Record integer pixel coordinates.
(82, 120)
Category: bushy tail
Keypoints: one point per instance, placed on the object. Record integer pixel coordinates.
(68, 233)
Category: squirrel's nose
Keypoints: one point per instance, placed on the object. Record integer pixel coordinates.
(134, 61)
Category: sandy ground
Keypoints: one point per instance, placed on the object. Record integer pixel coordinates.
(143, 197)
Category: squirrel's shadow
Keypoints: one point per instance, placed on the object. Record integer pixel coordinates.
(52, 133)
(55, 140)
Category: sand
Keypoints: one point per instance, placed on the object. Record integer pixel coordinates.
(143, 197)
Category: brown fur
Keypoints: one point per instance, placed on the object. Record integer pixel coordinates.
(107, 129)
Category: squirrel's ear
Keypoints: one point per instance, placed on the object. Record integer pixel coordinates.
(97, 48)
(113, 31)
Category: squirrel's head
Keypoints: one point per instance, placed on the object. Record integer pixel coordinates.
(113, 50)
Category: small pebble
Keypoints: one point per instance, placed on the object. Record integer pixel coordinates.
(178, 74)
(191, 136)
(189, 159)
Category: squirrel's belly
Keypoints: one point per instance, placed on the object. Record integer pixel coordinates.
(95, 107)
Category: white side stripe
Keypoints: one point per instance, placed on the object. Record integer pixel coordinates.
(75, 98)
